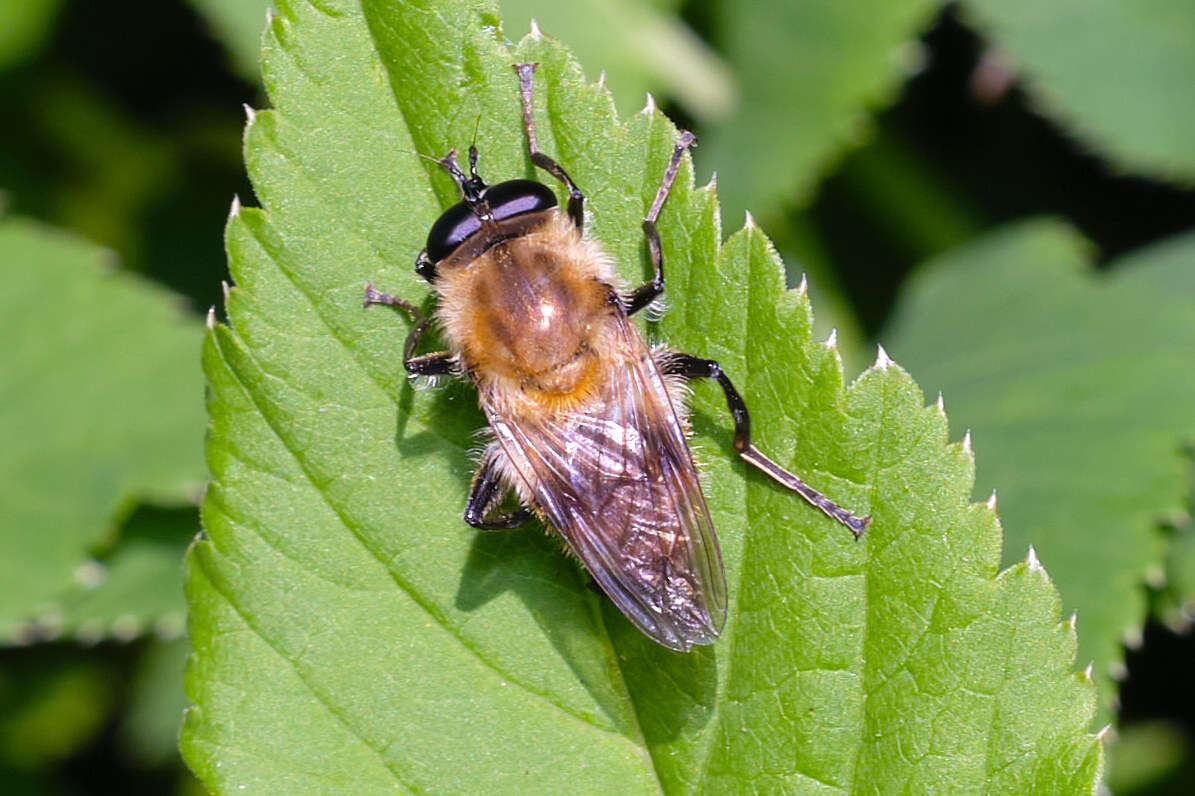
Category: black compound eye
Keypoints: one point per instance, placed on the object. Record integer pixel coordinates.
(506, 200)
(450, 230)
(516, 197)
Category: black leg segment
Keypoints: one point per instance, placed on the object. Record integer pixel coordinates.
(487, 491)
(576, 200)
(441, 363)
(692, 367)
(649, 292)
(424, 266)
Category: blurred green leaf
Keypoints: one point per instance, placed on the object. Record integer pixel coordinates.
(1174, 599)
(808, 75)
(133, 588)
(154, 191)
(351, 634)
(1176, 603)
(24, 25)
(149, 728)
(909, 200)
(1079, 389)
(1116, 74)
(238, 25)
(639, 46)
(888, 206)
(1144, 755)
(100, 403)
(50, 708)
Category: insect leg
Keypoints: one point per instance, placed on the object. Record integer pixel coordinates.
(440, 363)
(487, 490)
(425, 267)
(576, 199)
(649, 292)
(692, 367)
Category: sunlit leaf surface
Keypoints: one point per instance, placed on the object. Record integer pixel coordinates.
(1079, 391)
(352, 634)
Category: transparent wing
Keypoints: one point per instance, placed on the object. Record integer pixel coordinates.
(615, 477)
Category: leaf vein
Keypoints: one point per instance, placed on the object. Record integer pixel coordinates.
(440, 620)
(320, 698)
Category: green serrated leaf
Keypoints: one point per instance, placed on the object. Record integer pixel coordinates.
(808, 74)
(1078, 389)
(1116, 74)
(352, 634)
(99, 404)
(641, 49)
(645, 48)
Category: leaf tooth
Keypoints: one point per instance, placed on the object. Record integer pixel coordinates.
(250, 114)
(225, 288)
(1118, 671)
(831, 339)
(882, 359)
(803, 287)
(90, 574)
(49, 623)
(210, 320)
(234, 210)
(940, 404)
(1088, 673)
(967, 449)
(650, 106)
(170, 626)
(90, 632)
(1033, 563)
(1132, 638)
(749, 223)
(601, 81)
(712, 185)
(126, 627)
(991, 502)
(1072, 621)
(910, 57)
(269, 16)
(535, 32)
(1179, 621)
(1106, 734)
(23, 634)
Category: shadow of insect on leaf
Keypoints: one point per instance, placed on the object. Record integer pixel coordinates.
(516, 561)
(651, 670)
(529, 563)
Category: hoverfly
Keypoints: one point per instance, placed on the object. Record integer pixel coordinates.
(588, 423)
